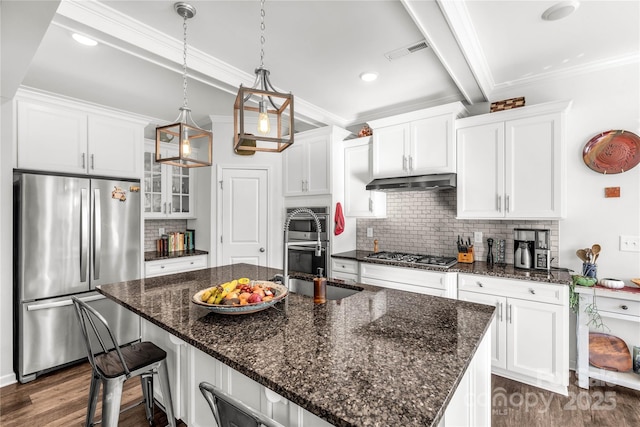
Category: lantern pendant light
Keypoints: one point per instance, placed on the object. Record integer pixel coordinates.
(194, 145)
(259, 108)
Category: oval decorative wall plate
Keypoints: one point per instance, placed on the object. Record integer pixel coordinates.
(611, 152)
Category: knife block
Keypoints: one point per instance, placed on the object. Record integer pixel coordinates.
(466, 257)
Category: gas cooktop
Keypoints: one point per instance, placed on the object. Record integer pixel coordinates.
(428, 260)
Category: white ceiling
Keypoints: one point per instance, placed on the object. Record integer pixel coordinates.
(316, 50)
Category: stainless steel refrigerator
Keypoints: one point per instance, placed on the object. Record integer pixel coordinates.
(70, 235)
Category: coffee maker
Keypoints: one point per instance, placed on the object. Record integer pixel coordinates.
(532, 249)
(542, 250)
(523, 246)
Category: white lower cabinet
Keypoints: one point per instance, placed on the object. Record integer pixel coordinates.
(344, 269)
(202, 367)
(409, 279)
(470, 405)
(176, 352)
(174, 265)
(530, 332)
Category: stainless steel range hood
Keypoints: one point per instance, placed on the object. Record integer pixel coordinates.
(414, 183)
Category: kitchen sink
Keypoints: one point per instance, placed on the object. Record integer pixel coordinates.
(305, 287)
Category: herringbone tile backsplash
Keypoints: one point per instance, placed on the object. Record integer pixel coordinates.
(425, 222)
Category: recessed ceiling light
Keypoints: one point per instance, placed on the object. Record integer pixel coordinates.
(560, 10)
(368, 76)
(84, 39)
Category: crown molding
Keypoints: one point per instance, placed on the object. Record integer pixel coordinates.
(146, 42)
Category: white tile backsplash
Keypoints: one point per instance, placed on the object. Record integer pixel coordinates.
(425, 222)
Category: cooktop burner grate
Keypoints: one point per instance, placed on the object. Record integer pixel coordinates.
(430, 260)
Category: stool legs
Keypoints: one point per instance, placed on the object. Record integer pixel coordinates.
(146, 381)
(94, 389)
(111, 397)
(163, 376)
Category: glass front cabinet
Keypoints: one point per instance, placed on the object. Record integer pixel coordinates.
(168, 190)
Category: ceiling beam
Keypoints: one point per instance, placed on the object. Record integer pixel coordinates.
(444, 31)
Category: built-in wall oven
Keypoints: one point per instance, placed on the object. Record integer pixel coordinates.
(303, 228)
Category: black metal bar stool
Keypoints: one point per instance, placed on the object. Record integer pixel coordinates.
(230, 412)
(113, 365)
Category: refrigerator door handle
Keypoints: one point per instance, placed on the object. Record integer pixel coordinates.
(84, 233)
(97, 233)
(63, 303)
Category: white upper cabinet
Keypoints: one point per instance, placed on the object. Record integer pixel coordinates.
(511, 164)
(169, 191)
(63, 136)
(417, 143)
(307, 163)
(358, 201)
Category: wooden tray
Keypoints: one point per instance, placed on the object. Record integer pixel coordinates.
(608, 352)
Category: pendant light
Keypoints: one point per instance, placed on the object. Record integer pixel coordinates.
(192, 146)
(260, 108)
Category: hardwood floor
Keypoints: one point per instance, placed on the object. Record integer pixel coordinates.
(517, 404)
(60, 399)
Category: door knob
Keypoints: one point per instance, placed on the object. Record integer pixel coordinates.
(261, 249)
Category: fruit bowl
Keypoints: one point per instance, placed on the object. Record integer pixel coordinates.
(280, 293)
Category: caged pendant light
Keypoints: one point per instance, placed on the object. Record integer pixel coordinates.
(259, 107)
(194, 145)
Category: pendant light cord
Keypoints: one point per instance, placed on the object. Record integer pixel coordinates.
(184, 63)
(262, 38)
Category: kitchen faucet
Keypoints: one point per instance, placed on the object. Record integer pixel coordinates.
(318, 244)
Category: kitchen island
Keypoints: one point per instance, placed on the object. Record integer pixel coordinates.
(377, 358)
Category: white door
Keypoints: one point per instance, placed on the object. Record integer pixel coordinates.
(498, 330)
(245, 210)
(293, 161)
(431, 146)
(534, 340)
(481, 171)
(389, 157)
(533, 158)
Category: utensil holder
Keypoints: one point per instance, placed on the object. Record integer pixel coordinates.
(466, 257)
(589, 269)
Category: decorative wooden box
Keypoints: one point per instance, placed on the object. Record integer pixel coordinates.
(507, 104)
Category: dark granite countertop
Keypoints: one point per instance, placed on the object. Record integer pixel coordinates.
(155, 255)
(380, 357)
(506, 271)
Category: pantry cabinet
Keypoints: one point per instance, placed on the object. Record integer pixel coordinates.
(358, 201)
(530, 332)
(169, 191)
(511, 164)
(307, 163)
(417, 143)
(62, 136)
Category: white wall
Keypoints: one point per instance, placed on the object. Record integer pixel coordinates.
(7, 375)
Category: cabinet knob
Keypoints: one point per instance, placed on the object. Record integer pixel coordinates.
(480, 284)
(624, 307)
(162, 266)
(532, 291)
(191, 262)
(261, 249)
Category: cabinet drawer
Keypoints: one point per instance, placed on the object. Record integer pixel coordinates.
(410, 276)
(620, 306)
(177, 265)
(344, 265)
(347, 277)
(523, 289)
